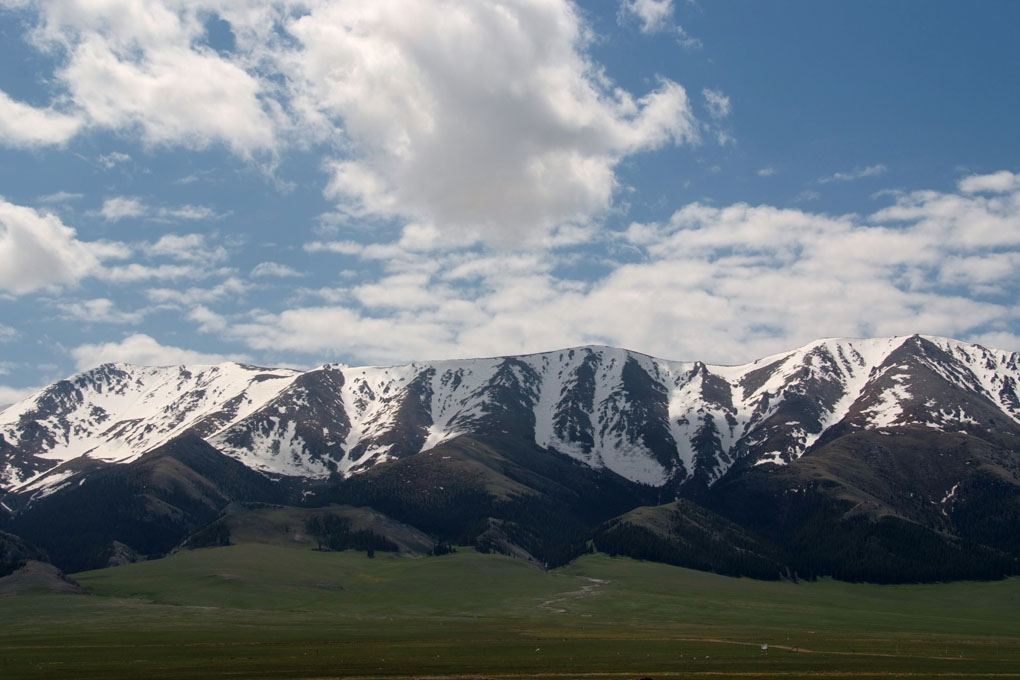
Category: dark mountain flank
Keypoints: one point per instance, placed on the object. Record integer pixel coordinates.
(149, 505)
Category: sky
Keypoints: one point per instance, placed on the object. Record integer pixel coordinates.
(293, 182)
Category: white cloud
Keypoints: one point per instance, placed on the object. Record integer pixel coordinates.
(22, 125)
(723, 284)
(138, 66)
(142, 350)
(654, 15)
(135, 272)
(208, 321)
(478, 118)
(766, 172)
(996, 183)
(118, 208)
(997, 339)
(274, 270)
(37, 250)
(315, 330)
(855, 174)
(60, 197)
(122, 207)
(99, 310)
(717, 102)
(187, 248)
(187, 213)
(471, 116)
(7, 333)
(113, 159)
(400, 291)
(12, 395)
(232, 288)
(687, 41)
(338, 247)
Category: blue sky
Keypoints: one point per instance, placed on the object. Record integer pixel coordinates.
(292, 182)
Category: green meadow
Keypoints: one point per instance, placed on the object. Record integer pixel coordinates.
(268, 611)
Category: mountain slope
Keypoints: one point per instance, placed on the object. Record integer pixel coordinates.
(685, 534)
(903, 503)
(885, 459)
(148, 505)
(498, 494)
(116, 412)
(652, 421)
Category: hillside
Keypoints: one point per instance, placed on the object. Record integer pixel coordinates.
(891, 459)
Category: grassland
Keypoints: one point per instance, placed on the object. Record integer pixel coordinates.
(269, 611)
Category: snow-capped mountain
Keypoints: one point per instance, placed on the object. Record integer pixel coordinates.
(650, 420)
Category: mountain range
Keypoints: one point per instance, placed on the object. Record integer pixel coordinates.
(883, 459)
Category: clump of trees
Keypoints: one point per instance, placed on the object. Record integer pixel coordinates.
(335, 533)
(442, 548)
(212, 536)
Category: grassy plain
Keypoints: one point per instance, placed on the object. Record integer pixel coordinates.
(268, 611)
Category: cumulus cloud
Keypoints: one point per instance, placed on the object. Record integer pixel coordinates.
(187, 213)
(142, 350)
(231, 288)
(141, 67)
(717, 102)
(996, 183)
(501, 126)
(687, 41)
(724, 284)
(338, 247)
(22, 125)
(135, 272)
(37, 250)
(186, 247)
(208, 321)
(12, 395)
(193, 255)
(113, 159)
(273, 270)
(479, 118)
(118, 208)
(654, 15)
(99, 310)
(122, 207)
(855, 174)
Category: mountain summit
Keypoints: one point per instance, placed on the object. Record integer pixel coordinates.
(651, 421)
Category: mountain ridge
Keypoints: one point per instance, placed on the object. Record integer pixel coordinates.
(888, 459)
(653, 421)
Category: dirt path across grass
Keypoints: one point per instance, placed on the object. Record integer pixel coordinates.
(585, 591)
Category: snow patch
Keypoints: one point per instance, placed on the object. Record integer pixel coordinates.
(950, 495)
(771, 457)
(889, 409)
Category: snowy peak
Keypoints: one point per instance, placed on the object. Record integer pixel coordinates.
(116, 412)
(650, 420)
(299, 430)
(940, 384)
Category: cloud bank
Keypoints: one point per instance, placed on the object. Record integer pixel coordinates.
(725, 284)
(485, 119)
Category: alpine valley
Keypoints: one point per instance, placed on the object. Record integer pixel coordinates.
(887, 460)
